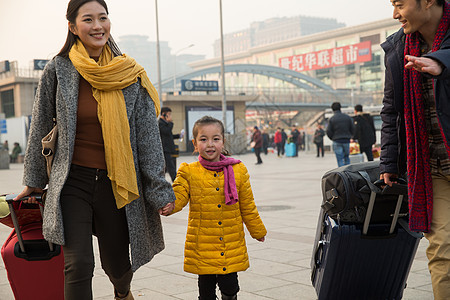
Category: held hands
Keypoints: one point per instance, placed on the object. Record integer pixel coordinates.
(167, 210)
(424, 64)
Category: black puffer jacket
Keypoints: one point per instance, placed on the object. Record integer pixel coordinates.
(340, 127)
(393, 135)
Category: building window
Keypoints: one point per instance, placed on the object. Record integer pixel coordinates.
(7, 100)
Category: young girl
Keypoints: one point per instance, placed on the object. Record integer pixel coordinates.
(221, 200)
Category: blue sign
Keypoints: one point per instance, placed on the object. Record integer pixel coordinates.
(199, 85)
(3, 126)
(39, 64)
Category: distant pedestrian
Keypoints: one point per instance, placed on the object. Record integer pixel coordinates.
(265, 143)
(215, 241)
(283, 140)
(318, 140)
(340, 130)
(165, 124)
(296, 139)
(277, 139)
(5, 145)
(15, 152)
(364, 131)
(258, 141)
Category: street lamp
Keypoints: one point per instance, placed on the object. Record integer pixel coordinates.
(175, 66)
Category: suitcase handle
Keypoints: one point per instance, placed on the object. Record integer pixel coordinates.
(10, 200)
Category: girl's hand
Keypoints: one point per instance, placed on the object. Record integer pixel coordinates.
(27, 191)
(261, 239)
(167, 210)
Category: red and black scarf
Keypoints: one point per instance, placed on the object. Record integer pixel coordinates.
(420, 188)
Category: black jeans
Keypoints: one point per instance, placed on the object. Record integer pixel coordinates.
(258, 155)
(319, 148)
(368, 151)
(171, 167)
(89, 207)
(228, 285)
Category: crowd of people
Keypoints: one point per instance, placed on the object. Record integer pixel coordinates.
(108, 175)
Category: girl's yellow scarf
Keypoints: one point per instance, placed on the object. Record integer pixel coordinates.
(108, 77)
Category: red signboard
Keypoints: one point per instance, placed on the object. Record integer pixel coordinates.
(328, 58)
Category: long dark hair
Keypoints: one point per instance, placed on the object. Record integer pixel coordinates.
(207, 120)
(71, 15)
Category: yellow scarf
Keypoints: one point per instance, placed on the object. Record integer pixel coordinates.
(108, 77)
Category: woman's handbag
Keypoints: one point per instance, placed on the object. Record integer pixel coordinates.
(49, 146)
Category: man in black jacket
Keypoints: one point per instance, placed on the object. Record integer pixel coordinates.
(167, 137)
(340, 130)
(364, 131)
(415, 134)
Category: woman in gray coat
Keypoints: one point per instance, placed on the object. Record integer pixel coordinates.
(108, 175)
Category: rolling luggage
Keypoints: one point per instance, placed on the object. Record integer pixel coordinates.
(34, 266)
(363, 260)
(289, 149)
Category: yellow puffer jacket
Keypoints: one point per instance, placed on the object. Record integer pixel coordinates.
(215, 239)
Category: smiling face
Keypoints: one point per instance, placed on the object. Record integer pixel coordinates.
(92, 26)
(209, 141)
(414, 16)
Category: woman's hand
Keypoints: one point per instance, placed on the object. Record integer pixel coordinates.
(261, 239)
(27, 191)
(167, 210)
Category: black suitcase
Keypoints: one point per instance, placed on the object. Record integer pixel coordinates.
(363, 260)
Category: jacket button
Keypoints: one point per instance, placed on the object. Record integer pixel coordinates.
(221, 238)
(224, 269)
(220, 223)
(222, 254)
(217, 189)
(215, 175)
(219, 206)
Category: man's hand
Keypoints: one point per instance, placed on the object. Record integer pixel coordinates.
(424, 65)
(389, 178)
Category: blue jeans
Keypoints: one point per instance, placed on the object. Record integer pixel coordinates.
(342, 151)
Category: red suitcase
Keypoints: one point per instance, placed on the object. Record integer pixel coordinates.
(34, 266)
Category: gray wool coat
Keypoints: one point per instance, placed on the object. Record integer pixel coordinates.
(58, 93)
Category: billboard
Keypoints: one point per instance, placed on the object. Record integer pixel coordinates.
(328, 58)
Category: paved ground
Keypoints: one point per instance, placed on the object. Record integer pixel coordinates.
(287, 193)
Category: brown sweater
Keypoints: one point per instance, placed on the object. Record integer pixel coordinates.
(89, 150)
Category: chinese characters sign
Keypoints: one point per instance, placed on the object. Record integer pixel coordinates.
(328, 58)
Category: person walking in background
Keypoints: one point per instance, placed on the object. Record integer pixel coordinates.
(15, 152)
(415, 133)
(215, 241)
(5, 145)
(277, 139)
(107, 176)
(296, 139)
(165, 129)
(364, 131)
(283, 140)
(318, 140)
(258, 141)
(265, 141)
(340, 130)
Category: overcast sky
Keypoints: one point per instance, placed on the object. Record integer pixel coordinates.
(31, 29)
